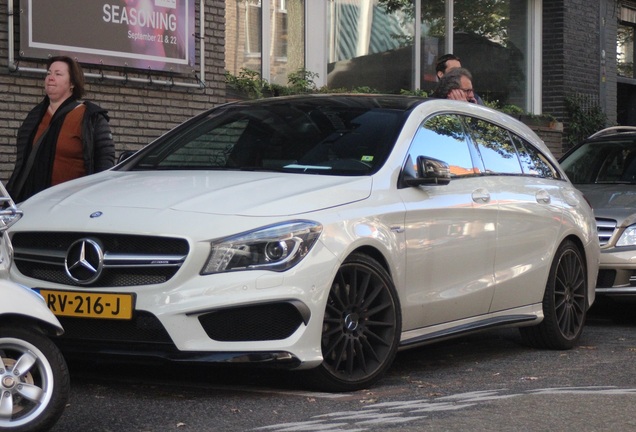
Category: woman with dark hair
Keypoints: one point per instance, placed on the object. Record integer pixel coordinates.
(62, 138)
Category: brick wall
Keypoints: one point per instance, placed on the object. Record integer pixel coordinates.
(552, 138)
(609, 21)
(571, 52)
(573, 31)
(553, 64)
(139, 112)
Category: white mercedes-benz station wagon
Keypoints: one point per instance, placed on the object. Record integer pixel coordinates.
(318, 233)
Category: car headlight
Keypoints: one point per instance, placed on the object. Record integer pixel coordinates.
(628, 238)
(274, 247)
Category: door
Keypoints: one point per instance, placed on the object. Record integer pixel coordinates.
(524, 186)
(450, 232)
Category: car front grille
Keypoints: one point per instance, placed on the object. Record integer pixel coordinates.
(129, 260)
(605, 229)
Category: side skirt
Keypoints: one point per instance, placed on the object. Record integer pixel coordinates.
(531, 315)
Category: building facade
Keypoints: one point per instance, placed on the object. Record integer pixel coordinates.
(142, 104)
(543, 56)
(569, 59)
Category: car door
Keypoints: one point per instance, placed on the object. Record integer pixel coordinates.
(524, 186)
(450, 232)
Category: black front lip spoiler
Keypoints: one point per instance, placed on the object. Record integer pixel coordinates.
(276, 359)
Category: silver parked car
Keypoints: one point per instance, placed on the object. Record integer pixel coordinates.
(320, 233)
(603, 167)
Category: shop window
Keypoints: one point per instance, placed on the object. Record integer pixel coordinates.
(287, 52)
(491, 38)
(248, 47)
(371, 43)
(625, 50)
(253, 27)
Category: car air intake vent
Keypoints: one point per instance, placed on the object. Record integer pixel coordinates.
(605, 228)
(143, 328)
(606, 278)
(274, 321)
(128, 260)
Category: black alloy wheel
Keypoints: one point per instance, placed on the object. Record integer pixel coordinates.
(361, 327)
(564, 302)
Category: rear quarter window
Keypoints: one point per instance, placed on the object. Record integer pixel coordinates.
(533, 162)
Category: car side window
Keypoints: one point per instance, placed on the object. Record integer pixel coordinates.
(498, 152)
(533, 162)
(442, 137)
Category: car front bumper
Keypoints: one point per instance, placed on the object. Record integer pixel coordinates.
(617, 272)
(255, 316)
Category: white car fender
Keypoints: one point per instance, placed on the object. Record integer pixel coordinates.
(20, 300)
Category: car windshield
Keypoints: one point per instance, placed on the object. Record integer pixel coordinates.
(346, 136)
(602, 162)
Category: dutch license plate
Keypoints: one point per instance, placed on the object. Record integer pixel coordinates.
(89, 305)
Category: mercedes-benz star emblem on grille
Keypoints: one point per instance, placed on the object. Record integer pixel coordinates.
(84, 261)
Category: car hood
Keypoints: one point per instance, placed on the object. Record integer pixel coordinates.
(615, 201)
(217, 192)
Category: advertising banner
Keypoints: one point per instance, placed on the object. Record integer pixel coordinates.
(144, 34)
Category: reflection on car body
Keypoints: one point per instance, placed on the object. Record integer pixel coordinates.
(320, 233)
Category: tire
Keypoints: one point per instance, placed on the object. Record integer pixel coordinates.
(361, 327)
(564, 302)
(42, 373)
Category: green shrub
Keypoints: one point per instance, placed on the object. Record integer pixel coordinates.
(585, 118)
(248, 82)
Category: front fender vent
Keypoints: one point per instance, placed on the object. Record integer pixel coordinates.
(271, 321)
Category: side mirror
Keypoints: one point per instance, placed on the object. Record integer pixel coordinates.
(430, 171)
(125, 155)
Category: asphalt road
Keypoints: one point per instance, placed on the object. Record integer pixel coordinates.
(486, 382)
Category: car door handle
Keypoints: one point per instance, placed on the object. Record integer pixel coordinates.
(481, 195)
(543, 197)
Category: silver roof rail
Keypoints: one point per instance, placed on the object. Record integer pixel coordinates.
(613, 129)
